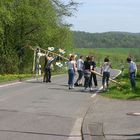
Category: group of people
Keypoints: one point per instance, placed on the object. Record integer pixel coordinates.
(85, 68)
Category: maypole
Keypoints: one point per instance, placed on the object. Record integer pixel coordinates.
(50, 49)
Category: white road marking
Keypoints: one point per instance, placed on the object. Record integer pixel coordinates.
(92, 96)
(118, 73)
(137, 114)
(76, 130)
(11, 84)
(134, 113)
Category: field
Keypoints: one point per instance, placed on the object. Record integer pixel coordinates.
(116, 55)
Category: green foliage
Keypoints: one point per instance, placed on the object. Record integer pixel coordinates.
(8, 63)
(34, 23)
(125, 91)
(106, 40)
(116, 55)
(11, 77)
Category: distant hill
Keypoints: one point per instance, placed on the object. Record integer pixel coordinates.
(106, 40)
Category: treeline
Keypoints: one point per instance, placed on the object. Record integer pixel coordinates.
(33, 23)
(106, 40)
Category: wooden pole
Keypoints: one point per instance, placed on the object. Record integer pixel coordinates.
(68, 59)
(109, 78)
(30, 47)
(54, 53)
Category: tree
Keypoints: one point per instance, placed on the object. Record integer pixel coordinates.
(35, 23)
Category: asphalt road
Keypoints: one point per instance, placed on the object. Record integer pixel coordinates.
(33, 110)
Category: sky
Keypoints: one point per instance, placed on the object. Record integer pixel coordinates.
(97, 16)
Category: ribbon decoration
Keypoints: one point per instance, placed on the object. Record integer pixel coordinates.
(59, 64)
(41, 54)
(62, 51)
(50, 48)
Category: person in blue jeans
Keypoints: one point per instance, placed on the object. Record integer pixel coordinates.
(47, 68)
(93, 75)
(132, 72)
(87, 73)
(105, 70)
(80, 64)
(71, 71)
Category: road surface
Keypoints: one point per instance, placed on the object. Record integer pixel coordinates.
(33, 110)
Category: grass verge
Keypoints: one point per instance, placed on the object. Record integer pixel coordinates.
(125, 91)
(13, 77)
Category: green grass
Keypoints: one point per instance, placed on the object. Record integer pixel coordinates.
(125, 91)
(12, 77)
(116, 55)
(122, 52)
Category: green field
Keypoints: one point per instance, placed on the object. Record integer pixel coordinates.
(116, 55)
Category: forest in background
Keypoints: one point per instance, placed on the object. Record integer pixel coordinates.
(33, 23)
(106, 40)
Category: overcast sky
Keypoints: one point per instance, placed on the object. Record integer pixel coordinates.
(107, 15)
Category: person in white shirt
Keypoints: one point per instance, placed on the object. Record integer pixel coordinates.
(80, 64)
(105, 70)
(132, 72)
(71, 71)
(38, 55)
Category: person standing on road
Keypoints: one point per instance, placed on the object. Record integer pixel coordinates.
(48, 68)
(87, 73)
(132, 72)
(105, 71)
(71, 71)
(79, 64)
(93, 75)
